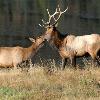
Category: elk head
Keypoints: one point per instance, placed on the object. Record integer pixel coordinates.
(51, 24)
(39, 41)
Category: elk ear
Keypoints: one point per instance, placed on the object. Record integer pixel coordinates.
(32, 40)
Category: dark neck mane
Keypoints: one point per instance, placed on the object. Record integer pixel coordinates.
(60, 36)
(59, 39)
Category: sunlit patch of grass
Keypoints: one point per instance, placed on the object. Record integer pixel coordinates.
(43, 83)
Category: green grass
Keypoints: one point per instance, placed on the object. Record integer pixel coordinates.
(41, 83)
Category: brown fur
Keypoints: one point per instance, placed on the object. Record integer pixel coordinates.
(12, 56)
(72, 46)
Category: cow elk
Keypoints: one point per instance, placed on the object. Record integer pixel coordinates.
(70, 46)
(13, 56)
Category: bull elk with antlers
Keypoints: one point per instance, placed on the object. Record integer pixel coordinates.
(70, 46)
(12, 56)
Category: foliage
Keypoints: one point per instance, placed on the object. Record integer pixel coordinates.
(42, 83)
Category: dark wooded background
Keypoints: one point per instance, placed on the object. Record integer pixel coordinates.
(19, 20)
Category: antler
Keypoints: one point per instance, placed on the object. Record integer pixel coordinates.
(57, 11)
(44, 23)
(60, 13)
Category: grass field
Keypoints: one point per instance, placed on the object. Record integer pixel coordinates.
(41, 83)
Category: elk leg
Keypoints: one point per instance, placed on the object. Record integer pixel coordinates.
(15, 67)
(98, 60)
(93, 62)
(73, 62)
(95, 57)
(64, 60)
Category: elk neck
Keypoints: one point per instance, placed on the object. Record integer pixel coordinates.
(31, 50)
(58, 39)
(33, 47)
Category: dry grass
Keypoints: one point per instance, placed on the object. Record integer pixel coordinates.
(41, 83)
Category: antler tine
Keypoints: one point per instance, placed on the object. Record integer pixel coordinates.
(48, 12)
(60, 13)
(44, 22)
(52, 16)
(41, 25)
(65, 10)
(59, 8)
(57, 11)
